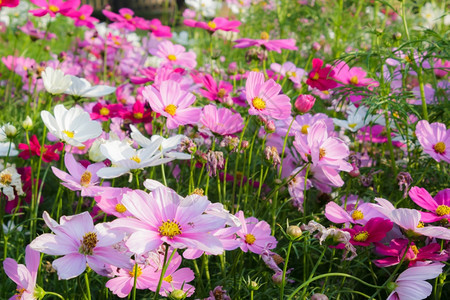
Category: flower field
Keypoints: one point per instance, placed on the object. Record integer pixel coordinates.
(235, 149)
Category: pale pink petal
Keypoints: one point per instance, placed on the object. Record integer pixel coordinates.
(70, 266)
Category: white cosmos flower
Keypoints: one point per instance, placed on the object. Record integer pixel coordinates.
(124, 158)
(81, 87)
(55, 81)
(168, 146)
(207, 8)
(5, 147)
(356, 118)
(74, 126)
(10, 180)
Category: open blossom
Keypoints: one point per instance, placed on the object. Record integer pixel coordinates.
(184, 225)
(374, 231)
(79, 177)
(9, 3)
(359, 215)
(435, 140)
(173, 102)
(255, 235)
(74, 126)
(215, 24)
(24, 275)
(10, 181)
(83, 16)
(266, 43)
(439, 206)
(109, 200)
(55, 81)
(355, 76)
(221, 120)
(175, 55)
(264, 97)
(216, 92)
(82, 88)
(125, 19)
(52, 7)
(48, 152)
(81, 243)
(321, 78)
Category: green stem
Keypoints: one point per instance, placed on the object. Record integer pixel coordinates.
(54, 294)
(88, 290)
(135, 280)
(164, 269)
(283, 279)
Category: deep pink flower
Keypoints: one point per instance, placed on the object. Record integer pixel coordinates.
(255, 235)
(105, 112)
(81, 242)
(172, 102)
(264, 97)
(221, 120)
(175, 55)
(147, 74)
(165, 217)
(83, 16)
(374, 231)
(411, 283)
(24, 275)
(138, 114)
(440, 205)
(48, 152)
(265, 43)
(216, 92)
(377, 134)
(215, 24)
(80, 178)
(321, 78)
(52, 7)
(9, 3)
(396, 250)
(435, 140)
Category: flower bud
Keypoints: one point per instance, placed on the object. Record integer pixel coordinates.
(94, 152)
(27, 124)
(294, 231)
(253, 285)
(177, 295)
(270, 127)
(316, 46)
(245, 144)
(319, 296)
(304, 103)
(10, 130)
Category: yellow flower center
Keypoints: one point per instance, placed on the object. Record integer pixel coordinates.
(439, 147)
(128, 16)
(53, 8)
(322, 153)
(414, 249)
(6, 179)
(264, 35)
(138, 273)
(221, 93)
(70, 134)
(88, 244)
(168, 278)
(316, 76)
(353, 125)
(82, 17)
(22, 290)
(86, 178)
(198, 191)
(104, 111)
(120, 208)
(138, 115)
(357, 215)
(136, 159)
(170, 229)
(212, 25)
(258, 103)
(442, 210)
(361, 237)
(171, 57)
(171, 109)
(304, 129)
(408, 59)
(354, 80)
(250, 239)
(421, 224)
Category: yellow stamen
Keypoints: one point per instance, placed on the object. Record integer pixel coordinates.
(316, 76)
(361, 237)
(250, 238)
(353, 125)
(88, 244)
(442, 210)
(198, 191)
(138, 273)
(6, 179)
(53, 8)
(439, 148)
(357, 215)
(421, 224)
(354, 80)
(128, 16)
(322, 153)
(82, 17)
(120, 208)
(104, 111)
(136, 159)
(171, 57)
(304, 129)
(264, 35)
(414, 250)
(221, 93)
(212, 25)
(259, 103)
(168, 278)
(70, 134)
(86, 178)
(170, 229)
(171, 109)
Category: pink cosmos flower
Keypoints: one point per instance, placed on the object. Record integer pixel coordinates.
(296, 75)
(396, 250)
(125, 19)
(440, 205)
(411, 283)
(52, 7)
(352, 76)
(9, 3)
(172, 102)
(175, 55)
(265, 43)
(216, 92)
(435, 140)
(215, 24)
(105, 112)
(359, 215)
(83, 16)
(35, 33)
(24, 275)
(303, 123)
(374, 231)
(123, 282)
(221, 120)
(264, 97)
(157, 29)
(255, 235)
(165, 217)
(80, 178)
(321, 78)
(110, 201)
(81, 242)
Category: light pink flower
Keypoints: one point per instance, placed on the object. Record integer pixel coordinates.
(81, 243)
(172, 102)
(123, 283)
(255, 235)
(221, 120)
(264, 97)
(175, 55)
(435, 140)
(165, 217)
(360, 215)
(411, 283)
(266, 43)
(110, 201)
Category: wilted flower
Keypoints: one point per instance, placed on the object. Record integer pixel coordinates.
(272, 155)
(404, 179)
(215, 161)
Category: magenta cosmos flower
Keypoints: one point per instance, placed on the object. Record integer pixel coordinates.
(80, 178)
(374, 231)
(440, 205)
(435, 140)
(216, 92)
(81, 242)
(264, 97)
(9, 3)
(165, 217)
(24, 275)
(255, 235)
(83, 16)
(175, 55)
(221, 120)
(174, 103)
(52, 7)
(321, 78)
(266, 43)
(215, 24)
(411, 283)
